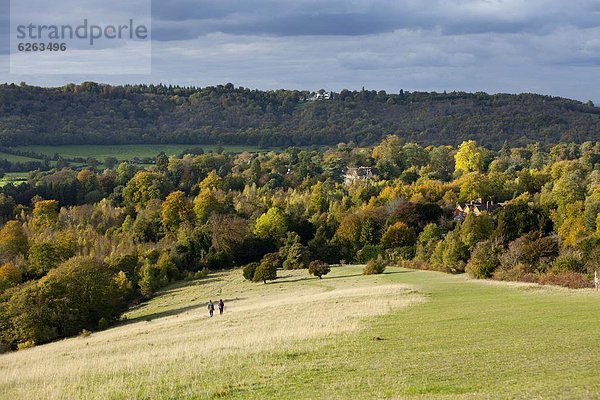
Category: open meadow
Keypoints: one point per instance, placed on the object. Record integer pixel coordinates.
(124, 152)
(403, 334)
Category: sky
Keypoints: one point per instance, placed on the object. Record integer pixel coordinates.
(497, 46)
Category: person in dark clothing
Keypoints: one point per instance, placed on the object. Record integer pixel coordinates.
(211, 308)
(221, 306)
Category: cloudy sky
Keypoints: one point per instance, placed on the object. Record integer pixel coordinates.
(550, 47)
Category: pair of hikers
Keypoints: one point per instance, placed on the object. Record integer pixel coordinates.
(211, 307)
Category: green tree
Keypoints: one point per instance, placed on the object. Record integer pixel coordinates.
(570, 187)
(476, 228)
(469, 157)
(77, 295)
(388, 156)
(484, 260)
(7, 206)
(110, 162)
(272, 224)
(427, 241)
(441, 163)
(162, 162)
(47, 255)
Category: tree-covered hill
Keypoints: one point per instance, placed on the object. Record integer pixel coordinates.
(91, 113)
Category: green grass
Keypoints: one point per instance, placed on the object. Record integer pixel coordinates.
(458, 339)
(13, 177)
(470, 340)
(124, 152)
(14, 158)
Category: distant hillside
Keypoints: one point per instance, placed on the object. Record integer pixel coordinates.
(100, 114)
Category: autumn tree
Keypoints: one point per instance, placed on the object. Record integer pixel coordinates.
(210, 202)
(145, 186)
(399, 235)
(176, 209)
(13, 241)
(45, 212)
(10, 275)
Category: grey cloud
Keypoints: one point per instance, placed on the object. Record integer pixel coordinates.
(353, 18)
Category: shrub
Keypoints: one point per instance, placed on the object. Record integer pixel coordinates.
(518, 272)
(375, 267)
(26, 345)
(267, 269)
(249, 270)
(264, 273)
(450, 254)
(318, 268)
(566, 278)
(297, 257)
(568, 262)
(531, 250)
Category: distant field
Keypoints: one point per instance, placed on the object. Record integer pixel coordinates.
(402, 335)
(13, 177)
(13, 158)
(125, 152)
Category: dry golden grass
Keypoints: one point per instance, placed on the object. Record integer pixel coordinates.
(169, 348)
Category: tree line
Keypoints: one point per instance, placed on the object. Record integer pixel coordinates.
(92, 113)
(126, 231)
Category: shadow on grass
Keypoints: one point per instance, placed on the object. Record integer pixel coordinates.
(200, 306)
(409, 271)
(284, 279)
(184, 284)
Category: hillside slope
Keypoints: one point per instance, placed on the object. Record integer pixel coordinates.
(408, 334)
(100, 114)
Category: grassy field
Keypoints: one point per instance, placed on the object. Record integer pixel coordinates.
(124, 152)
(14, 177)
(404, 334)
(14, 158)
